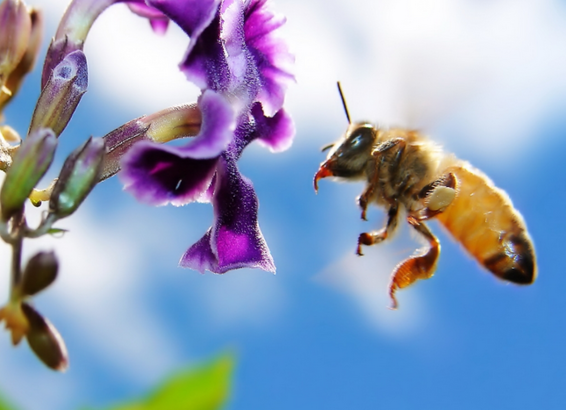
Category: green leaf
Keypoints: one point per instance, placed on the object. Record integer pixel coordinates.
(57, 231)
(205, 387)
(4, 405)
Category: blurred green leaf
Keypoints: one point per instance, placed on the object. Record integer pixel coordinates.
(57, 231)
(5, 406)
(205, 387)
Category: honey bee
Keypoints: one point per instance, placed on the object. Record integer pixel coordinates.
(404, 170)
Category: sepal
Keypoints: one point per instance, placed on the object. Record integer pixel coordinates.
(79, 175)
(29, 165)
(45, 340)
(40, 272)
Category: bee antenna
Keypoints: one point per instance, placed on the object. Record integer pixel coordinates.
(344, 102)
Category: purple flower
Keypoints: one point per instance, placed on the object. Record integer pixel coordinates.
(241, 68)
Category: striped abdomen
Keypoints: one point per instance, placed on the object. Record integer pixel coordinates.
(483, 219)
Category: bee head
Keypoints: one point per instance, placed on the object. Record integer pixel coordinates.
(349, 156)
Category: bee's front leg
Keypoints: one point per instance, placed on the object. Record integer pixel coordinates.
(371, 238)
(364, 199)
(376, 179)
(420, 266)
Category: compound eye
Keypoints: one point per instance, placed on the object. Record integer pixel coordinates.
(360, 139)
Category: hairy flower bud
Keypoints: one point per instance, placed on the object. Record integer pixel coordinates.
(79, 175)
(61, 94)
(29, 165)
(15, 31)
(45, 340)
(40, 272)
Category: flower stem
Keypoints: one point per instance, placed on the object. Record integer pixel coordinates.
(17, 244)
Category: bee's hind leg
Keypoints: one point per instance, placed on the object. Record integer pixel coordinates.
(419, 266)
(371, 238)
(436, 197)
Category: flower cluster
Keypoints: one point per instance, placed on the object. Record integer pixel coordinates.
(240, 67)
(242, 70)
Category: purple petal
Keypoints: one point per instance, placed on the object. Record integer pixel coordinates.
(205, 62)
(159, 26)
(157, 175)
(159, 21)
(200, 256)
(209, 193)
(276, 132)
(271, 55)
(146, 11)
(234, 241)
(220, 59)
(217, 129)
(193, 16)
(238, 53)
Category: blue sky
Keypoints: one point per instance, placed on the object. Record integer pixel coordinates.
(485, 79)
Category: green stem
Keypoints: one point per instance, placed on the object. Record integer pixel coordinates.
(17, 244)
(42, 229)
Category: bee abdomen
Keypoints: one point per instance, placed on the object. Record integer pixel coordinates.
(483, 219)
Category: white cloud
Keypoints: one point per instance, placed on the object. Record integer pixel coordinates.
(490, 69)
(134, 67)
(494, 67)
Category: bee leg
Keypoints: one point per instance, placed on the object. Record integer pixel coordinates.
(393, 164)
(419, 266)
(437, 196)
(371, 238)
(363, 201)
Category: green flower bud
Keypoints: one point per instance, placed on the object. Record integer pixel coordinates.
(29, 165)
(14, 35)
(61, 95)
(45, 340)
(40, 272)
(79, 175)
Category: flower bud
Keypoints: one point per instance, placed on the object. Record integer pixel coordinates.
(29, 165)
(72, 32)
(79, 175)
(15, 79)
(45, 340)
(14, 36)
(61, 95)
(40, 272)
